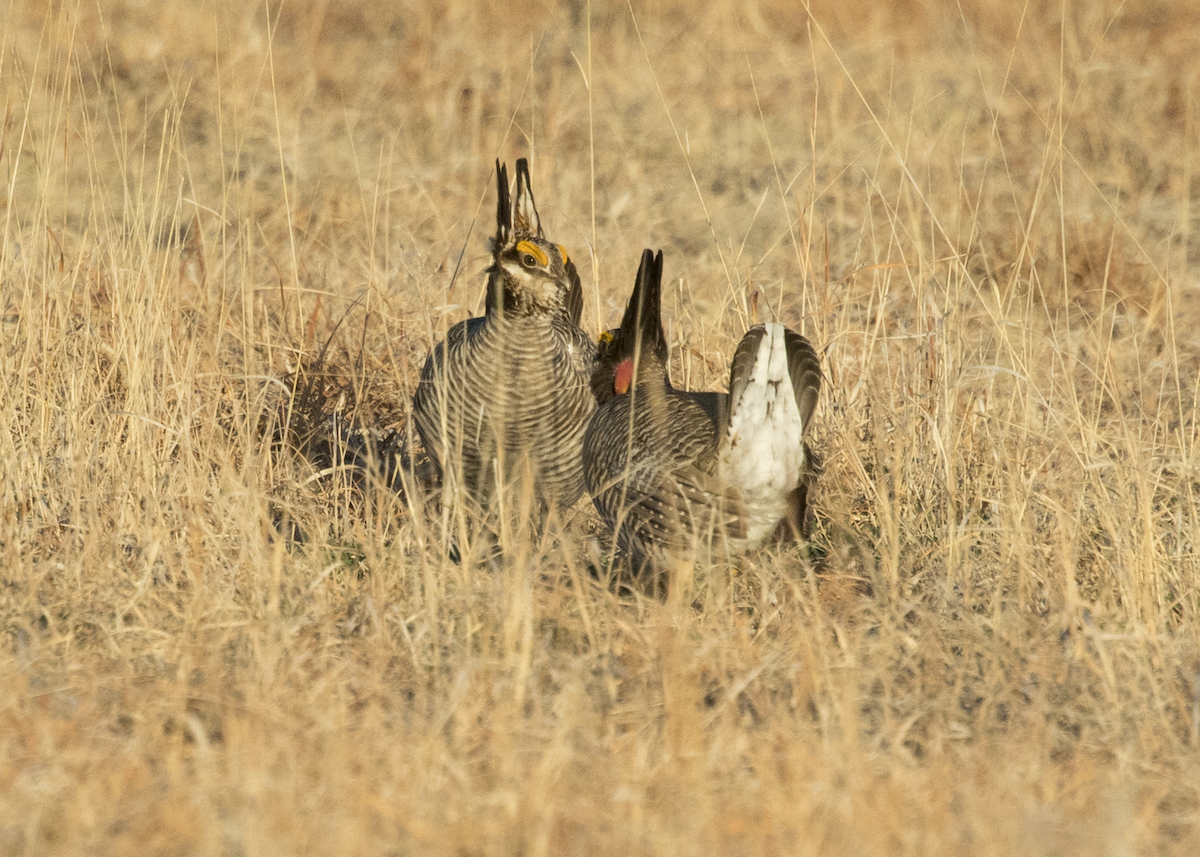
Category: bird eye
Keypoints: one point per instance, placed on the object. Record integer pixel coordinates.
(531, 255)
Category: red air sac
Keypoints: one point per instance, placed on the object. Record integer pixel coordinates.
(624, 377)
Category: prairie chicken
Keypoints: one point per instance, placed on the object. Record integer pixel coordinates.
(672, 471)
(507, 392)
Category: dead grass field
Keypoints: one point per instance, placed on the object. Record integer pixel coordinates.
(981, 213)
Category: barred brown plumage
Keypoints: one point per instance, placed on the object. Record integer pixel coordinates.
(678, 473)
(510, 387)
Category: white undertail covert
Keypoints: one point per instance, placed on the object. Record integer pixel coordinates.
(763, 449)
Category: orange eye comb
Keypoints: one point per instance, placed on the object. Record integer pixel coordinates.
(535, 251)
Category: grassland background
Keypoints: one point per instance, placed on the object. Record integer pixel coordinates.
(980, 212)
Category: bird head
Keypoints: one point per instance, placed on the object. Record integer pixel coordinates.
(529, 275)
(636, 352)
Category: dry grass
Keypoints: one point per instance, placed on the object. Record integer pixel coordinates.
(982, 214)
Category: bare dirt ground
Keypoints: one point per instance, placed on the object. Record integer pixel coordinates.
(213, 642)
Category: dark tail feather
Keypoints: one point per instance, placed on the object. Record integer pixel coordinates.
(742, 367)
(804, 367)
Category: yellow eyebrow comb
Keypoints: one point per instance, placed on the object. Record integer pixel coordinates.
(535, 251)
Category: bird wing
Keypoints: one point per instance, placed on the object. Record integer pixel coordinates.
(715, 406)
(659, 487)
(683, 506)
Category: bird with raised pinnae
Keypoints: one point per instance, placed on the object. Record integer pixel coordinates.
(508, 392)
(676, 473)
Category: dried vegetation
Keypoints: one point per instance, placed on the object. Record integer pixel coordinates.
(231, 232)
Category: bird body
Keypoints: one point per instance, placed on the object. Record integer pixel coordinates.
(508, 392)
(674, 472)
(649, 466)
